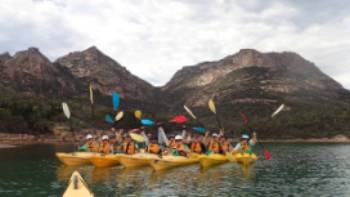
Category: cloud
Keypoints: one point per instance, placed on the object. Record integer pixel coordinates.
(155, 38)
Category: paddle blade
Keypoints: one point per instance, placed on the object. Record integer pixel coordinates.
(137, 137)
(190, 112)
(66, 110)
(180, 119)
(278, 110)
(147, 122)
(244, 117)
(138, 114)
(211, 106)
(91, 94)
(266, 154)
(115, 100)
(199, 129)
(119, 116)
(109, 119)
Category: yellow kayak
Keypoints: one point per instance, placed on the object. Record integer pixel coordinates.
(212, 160)
(75, 158)
(77, 187)
(103, 161)
(246, 159)
(167, 162)
(137, 160)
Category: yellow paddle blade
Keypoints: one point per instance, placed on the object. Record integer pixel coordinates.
(119, 116)
(138, 114)
(211, 105)
(190, 112)
(91, 94)
(137, 137)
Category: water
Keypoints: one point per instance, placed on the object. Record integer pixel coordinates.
(294, 170)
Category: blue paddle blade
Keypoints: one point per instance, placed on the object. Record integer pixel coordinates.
(147, 122)
(115, 100)
(199, 129)
(109, 119)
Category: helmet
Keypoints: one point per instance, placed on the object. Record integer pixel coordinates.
(245, 136)
(88, 136)
(178, 137)
(105, 137)
(215, 135)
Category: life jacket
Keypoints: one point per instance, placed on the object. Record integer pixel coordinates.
(154, 148)
(196, 147)
(225, 146)
(245, 148)
(214, 147)
(105, 148)
(129, 148)
(172, 144)
(91, 146)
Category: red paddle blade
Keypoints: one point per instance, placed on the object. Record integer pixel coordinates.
(266, 154)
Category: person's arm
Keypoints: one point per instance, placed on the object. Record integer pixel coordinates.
(237, 148)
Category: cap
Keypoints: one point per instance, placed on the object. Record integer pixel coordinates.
(88, 136)
(215, 135)
(105, 137)
(245, 136)
(178, 137)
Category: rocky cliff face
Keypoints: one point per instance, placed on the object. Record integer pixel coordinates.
(106, 75)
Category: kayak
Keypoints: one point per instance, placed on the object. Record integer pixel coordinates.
(103, 161)
(167, 162)
(137, 160)
(75, 158)
(77, 187)
(246, 159)
(212, 160)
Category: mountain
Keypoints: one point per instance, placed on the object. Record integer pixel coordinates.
(30, 72)
(249, 81)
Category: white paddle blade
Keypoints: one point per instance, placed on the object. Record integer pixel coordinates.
(279, 109)
(91, 94)
(66, 110)
(119, 116)
(211, 106)
(189, 112)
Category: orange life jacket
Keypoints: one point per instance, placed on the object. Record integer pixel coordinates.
(214, 147)
(180, 147)
(245, 147)
(172, 144)
(225, 146)
(129, 148)
(105, 148)
(196, 147)
(91, 147)
(154, 148)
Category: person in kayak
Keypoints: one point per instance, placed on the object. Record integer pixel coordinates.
(197, 145)
(180, 148)
(154, 147)
(245, 145)
(214, 145)
(225, 144)
(129, 146)
(172, 142)
(90, 144)
(105, 146)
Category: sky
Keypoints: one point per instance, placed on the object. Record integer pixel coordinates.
(155, 38)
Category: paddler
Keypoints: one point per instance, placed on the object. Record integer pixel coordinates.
(105, 146)
(225, 144)
(245, 145)
(180, 149)
(197, 146)
(90, 144)
(154, 147)
(172, 142)
(129, 146)
(214, 145)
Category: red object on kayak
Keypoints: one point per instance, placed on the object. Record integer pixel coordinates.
(180, 119)
(266, 154)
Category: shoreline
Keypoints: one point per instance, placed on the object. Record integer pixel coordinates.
(9, 140)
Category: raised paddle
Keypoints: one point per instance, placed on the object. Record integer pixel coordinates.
(212, 108)
(119, 115)
(138, 114)
(115, 100)
(189, 111)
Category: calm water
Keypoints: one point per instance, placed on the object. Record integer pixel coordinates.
(294, 170)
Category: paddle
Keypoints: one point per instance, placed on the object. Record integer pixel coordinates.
(138, 114)
(147, 122)
(212, 108)
(180, 119)
(67, 113)
(188, 110)
(119, 116)
(115, 100)
(109, 119)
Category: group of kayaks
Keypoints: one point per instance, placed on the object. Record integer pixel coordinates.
(155, 161)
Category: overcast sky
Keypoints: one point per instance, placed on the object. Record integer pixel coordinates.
(154, 38)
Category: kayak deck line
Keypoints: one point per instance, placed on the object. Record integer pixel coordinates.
(77, 187)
